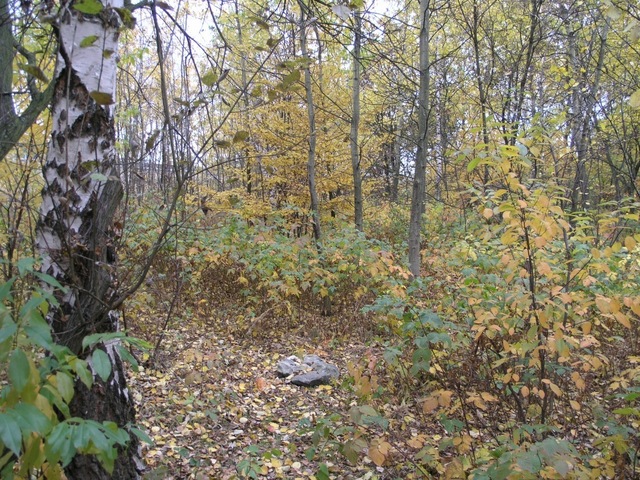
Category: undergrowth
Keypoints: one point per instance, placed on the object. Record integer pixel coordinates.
(518, 346)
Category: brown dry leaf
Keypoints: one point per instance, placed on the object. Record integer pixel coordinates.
(454, 470)
(430, 404)
(487, 397)
(261, 383)
(416, 442)
(378, 452)
(444, 400)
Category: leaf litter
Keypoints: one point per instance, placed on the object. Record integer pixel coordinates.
(214, 408)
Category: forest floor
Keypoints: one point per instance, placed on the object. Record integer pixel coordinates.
(214, 408)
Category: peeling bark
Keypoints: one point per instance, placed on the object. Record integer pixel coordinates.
(74, 233)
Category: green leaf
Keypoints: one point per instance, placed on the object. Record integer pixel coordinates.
(473, 164)
(127, 17)
(30, 419)
(613, 12)
(38, 330)
(59, 445)
(240, 136)
(19, 370)
(90, 7)
(64, 384)
(115, 433)
(291, 78)
(151, 141)
(127, 357)
(210, 78)
(142, 435)
(102, 98)
(5, 290)
(99, 177)
(81, 435)
(80, 367)
(323, 472)
(6, 468)
(10, 433)
(88, 41)
(97, 437)
(260, 23)
(8, 329)
(49, 280)
(101, 364)
(34, 71)
(310, 453)
(634, 100)
(25, 265)
(53, 396)
(95, 338)
(627, 411)
(352, 448)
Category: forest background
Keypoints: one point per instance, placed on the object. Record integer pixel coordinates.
(445, 194)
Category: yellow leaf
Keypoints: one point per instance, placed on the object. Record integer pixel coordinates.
(622, 319)
(555, 389)
(614, 304)
(524, 391)
(487, 213)
(603, 304)
(544, 268)
(540, 242)
(575, 405)
(577, 379)
(630, 243)
(102, 98)
(565, 298)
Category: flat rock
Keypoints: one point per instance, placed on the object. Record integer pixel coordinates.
(309, 372)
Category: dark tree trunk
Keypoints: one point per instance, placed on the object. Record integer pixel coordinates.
(419, 177)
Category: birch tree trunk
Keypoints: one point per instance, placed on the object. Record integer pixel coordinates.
(419, 178)
(79, 200)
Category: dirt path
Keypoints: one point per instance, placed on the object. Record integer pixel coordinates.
(215, 409)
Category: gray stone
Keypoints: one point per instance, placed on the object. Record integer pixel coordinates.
(289, 366)
(312, 371)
